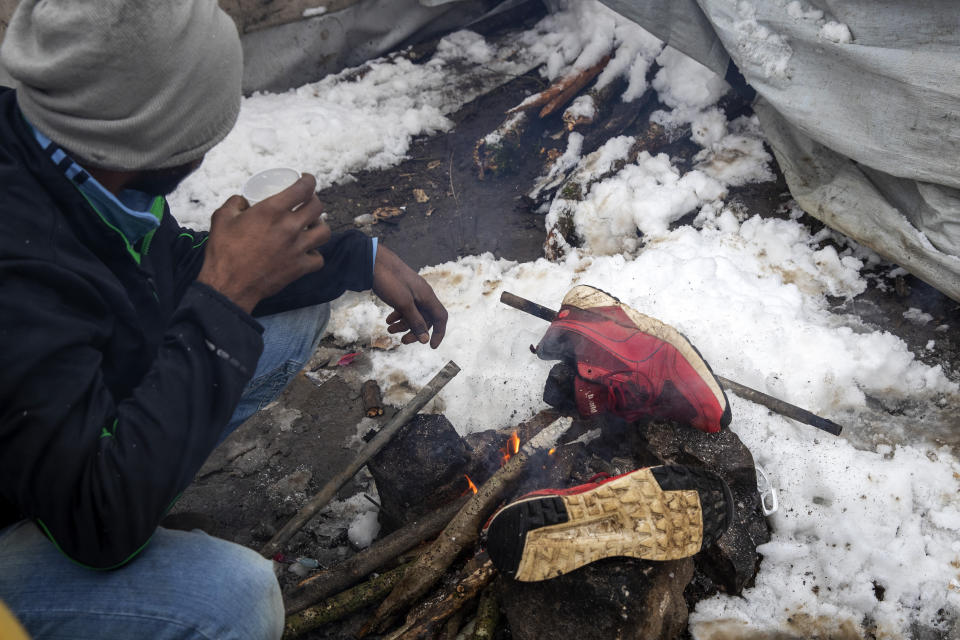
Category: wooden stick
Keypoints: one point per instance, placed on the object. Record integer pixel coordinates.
(488, 614)
(463, 531)
(561, 91)
(324, 496)
(774, 404)
(426, 620)
(343, 604)
(325, 583)
(451, 628)
(372, 403)
(575, 84)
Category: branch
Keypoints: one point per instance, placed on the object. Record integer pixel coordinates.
(351, 571)
(463, 530)
(343, 604)
(561, 91)
(426, 620)
(321, 499)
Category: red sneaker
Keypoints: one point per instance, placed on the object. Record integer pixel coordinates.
(632, 365)
(659, 513)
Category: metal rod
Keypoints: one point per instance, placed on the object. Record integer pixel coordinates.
(774, 404)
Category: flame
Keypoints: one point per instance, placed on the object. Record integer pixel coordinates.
(510, 449)
(473, 487)
(552, 449)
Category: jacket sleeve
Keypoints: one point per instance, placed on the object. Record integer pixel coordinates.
(97, 474)
(348, 266)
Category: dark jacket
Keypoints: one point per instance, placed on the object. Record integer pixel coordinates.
(116, 378)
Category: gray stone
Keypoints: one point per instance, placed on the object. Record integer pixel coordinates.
(419, 470)
(733, 561)
(615, 598)
(291, 485)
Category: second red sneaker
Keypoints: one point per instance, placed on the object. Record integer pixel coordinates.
(632, 365)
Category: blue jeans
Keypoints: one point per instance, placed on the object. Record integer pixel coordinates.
(184, 584)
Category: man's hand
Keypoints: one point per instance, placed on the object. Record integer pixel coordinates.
(416, 307)
(254, 252)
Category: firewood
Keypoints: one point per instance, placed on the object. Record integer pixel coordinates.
(463, 530)
(496, 152)
(343, 603)
(372, 404)
(488, 614)
(451, 629)
(562, 91)
(582, 112)
(428, 618)
(576, 83)
(325, 583)
(539, 99)
(324, 496)
(529, 428)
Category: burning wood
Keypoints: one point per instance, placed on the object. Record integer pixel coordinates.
(463, 531)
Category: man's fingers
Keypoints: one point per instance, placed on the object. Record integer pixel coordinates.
(313, 237)
(300, 192)
(398, 327)
(439, 330)
(311, 262)
(310, 212)
(414, 320)
(435, 310)
(239, 203)
(394, 316)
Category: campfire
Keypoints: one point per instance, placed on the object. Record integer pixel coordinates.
(401, 588)
(432, 575)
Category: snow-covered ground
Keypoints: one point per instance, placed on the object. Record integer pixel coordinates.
(867, 538)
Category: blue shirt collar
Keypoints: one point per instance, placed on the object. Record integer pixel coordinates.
(131, 213)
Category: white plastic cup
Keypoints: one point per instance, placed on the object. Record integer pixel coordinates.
(267, 183)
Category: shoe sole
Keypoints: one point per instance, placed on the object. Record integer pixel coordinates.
(585, 297)
(659, 513)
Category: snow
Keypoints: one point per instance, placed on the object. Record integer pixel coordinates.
(767, 52)
(836, 32)
(874, 510)
(582, 107)
(917, 316)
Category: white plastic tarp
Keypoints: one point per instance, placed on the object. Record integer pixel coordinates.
(860, 101)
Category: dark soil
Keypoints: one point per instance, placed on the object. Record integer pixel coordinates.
(264, 472)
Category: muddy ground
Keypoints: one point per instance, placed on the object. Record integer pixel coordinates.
(263, 473)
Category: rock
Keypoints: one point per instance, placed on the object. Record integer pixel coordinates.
(420, 469)
(263, 531)
(291, 484)
(252, 461)
(733, 561)
(619, 598)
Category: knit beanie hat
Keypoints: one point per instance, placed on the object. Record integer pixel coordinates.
(126, 84)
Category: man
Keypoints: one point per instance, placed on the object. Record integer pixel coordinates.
(130, 347)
